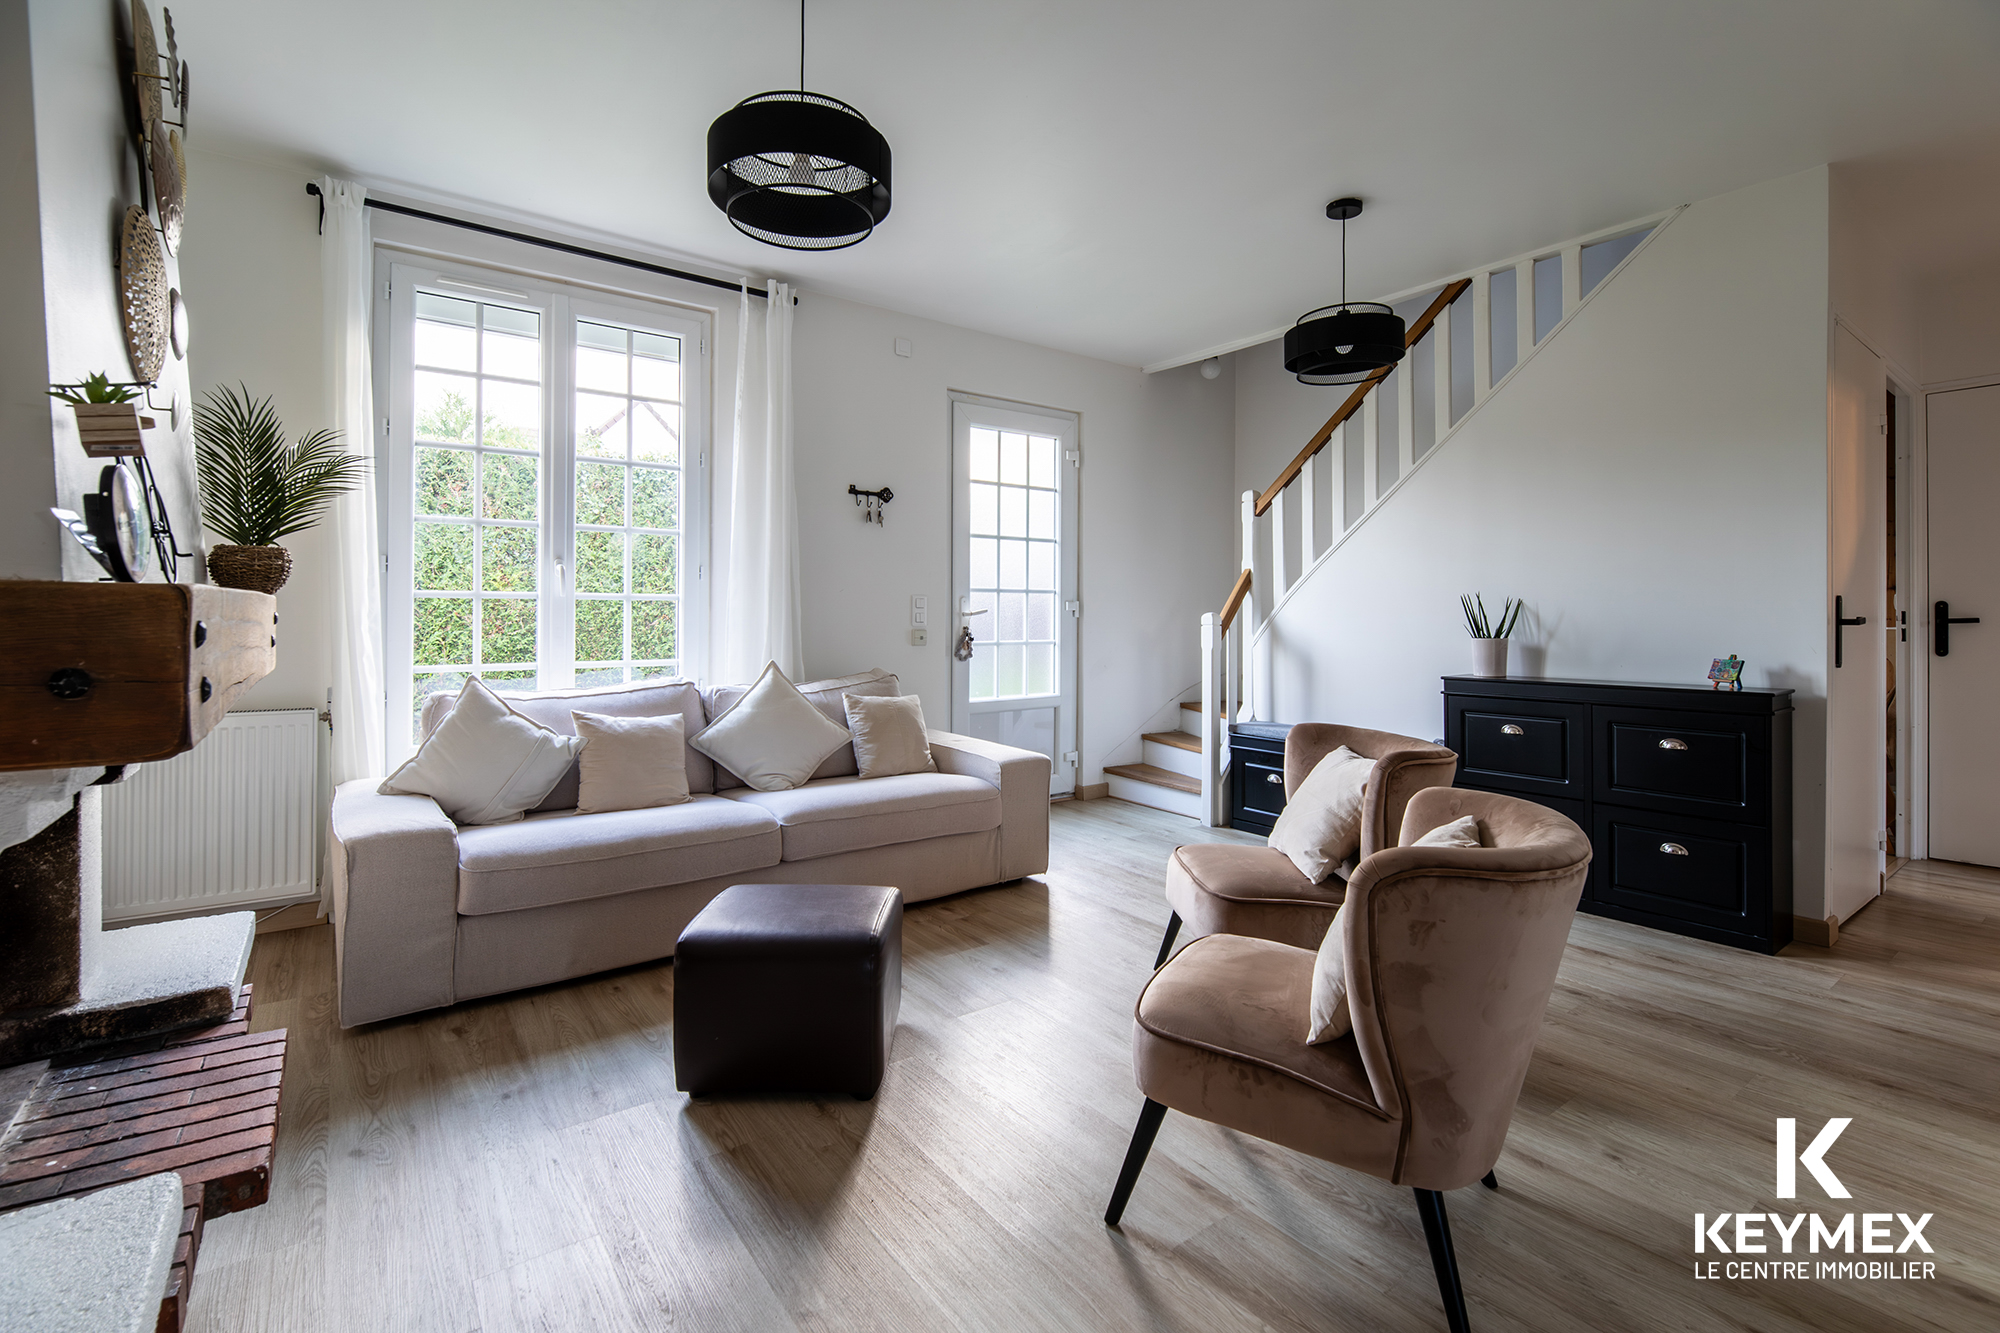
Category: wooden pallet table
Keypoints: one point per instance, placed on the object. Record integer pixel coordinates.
(202, 1102)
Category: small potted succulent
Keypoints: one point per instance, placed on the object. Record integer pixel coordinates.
(107, 419)
(1489, 637)
(257, 488)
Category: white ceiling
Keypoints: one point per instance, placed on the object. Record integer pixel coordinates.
(1134, 181)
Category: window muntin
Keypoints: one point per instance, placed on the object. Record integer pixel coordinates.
(1014, 562)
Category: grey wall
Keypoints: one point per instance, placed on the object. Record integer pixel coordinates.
(1653, 483)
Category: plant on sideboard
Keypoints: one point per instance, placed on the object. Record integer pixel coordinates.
(1489, 637)
(256, 487)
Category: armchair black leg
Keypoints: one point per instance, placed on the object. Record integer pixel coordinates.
(1490, 1181)
(1167, 944)
(1437, 1230)
(1150, 1116)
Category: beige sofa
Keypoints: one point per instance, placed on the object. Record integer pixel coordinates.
(426, 913)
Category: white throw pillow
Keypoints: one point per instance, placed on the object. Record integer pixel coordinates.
(485, 763)
(889, 735)
(630, 763)
(1330, 1019)
(1321, 824)
(1460, 832)
(772, 738)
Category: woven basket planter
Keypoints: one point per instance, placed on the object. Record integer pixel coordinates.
(258, 568)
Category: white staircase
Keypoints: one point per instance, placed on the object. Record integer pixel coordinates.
(1468, 337)
(1169, 777)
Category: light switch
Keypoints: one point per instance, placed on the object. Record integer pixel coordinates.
(919, 637)
(920, 610)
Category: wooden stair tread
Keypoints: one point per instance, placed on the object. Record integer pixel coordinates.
(1159, 777)
(1180, 740)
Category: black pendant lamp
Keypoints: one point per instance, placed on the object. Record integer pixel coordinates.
(797, 169)
(1347, 342)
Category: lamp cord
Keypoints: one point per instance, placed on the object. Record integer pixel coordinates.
(802, 46)
(1343, 244)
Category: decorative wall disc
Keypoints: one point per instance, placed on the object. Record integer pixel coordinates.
(145, 63)
(177, 324)
(142, 291)
(169, 183)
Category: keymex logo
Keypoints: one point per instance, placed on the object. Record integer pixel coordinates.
(1746, 1233)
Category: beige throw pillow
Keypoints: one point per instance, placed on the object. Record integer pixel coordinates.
(1330, 1019)
(485, 763)
(1321, 824)
(1460, 832)
(630, 763)
(772, 737)
(889, 735)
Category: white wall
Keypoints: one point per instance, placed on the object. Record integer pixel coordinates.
(1155, 515)
(1653, 483)
(86, 171)
(1155, 511)
(1960, 317)
(250, 269)
(1868, 271)
(28, 540)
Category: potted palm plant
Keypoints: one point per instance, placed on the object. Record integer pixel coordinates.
(1489, 637)
(257, 488)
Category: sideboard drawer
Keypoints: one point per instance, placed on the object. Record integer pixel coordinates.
(1687, 870)
(1696, 763)
(1532, 748)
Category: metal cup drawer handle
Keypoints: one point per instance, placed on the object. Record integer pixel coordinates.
(1511, 730)
(1278, 778)
(1673, 849)
(1671, 744)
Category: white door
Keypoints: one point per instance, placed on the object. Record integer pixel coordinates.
(1857, 575)
(1964, 658)
(1014, 483)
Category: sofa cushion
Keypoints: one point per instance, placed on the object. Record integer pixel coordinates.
(565, 857)
(772, 737)
(551, 709)
(486, 763)
(825, 695)
(848, 814)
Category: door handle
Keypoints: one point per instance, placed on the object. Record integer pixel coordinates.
(1941, 622)
(1841, 622)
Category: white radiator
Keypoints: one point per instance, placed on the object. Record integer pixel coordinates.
(226, 826)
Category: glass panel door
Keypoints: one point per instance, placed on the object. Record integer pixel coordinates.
(1015, 578)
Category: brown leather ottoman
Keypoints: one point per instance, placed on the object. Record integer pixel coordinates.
(789, 988)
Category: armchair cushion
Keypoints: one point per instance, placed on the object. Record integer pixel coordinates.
(1329, 1018)
(1217, 1036)
(1221, 888)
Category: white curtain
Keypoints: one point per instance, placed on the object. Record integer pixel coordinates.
(757, 619)
(347, 277)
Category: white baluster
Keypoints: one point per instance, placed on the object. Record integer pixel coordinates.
(1371, 452)
(1482, 335)
(1406, 416)
(1212, 693)
(1524, 310)
(1441, 363)
(1336, 483)
(1246, 615)
(1281, 563)
(1572, 271)
(1309, 514)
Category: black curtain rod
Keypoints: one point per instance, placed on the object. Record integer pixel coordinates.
(564, 246)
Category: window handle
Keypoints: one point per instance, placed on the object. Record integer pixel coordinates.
(562, 577)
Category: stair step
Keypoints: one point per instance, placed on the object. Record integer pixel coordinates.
(1159, 777)
(1180, 740)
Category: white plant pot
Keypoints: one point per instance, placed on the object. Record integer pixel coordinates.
(1489, 657)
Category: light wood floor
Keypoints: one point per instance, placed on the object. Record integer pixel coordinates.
(525, 1163)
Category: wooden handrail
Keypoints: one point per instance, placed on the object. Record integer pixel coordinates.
(1235, 602)
(1450, 293)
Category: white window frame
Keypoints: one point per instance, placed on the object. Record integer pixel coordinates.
(398, 276)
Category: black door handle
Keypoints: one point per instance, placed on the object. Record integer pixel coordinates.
(1840, 623)
(1941, 622)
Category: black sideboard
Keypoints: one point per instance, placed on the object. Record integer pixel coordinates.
(1257, 775)
(1686, 792)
